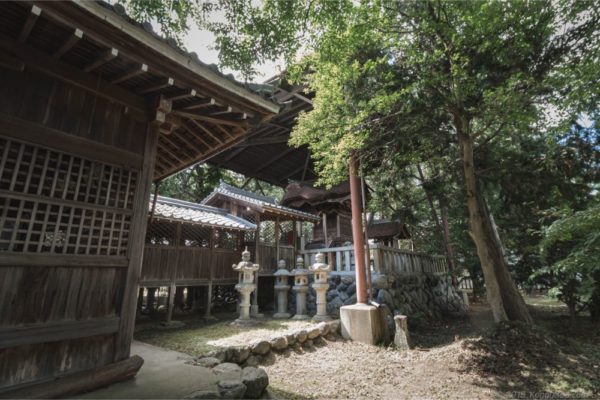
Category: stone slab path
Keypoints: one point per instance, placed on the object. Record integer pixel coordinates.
(164, 375)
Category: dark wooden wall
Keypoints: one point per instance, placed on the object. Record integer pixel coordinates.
(186, 255)
(74, 176)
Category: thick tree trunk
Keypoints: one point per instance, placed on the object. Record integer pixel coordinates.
(504, 298)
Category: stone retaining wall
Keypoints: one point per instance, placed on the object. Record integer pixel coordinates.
(417, 296)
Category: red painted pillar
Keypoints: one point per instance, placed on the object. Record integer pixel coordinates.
(357, 233)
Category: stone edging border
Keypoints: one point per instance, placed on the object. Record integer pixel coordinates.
(252, 354)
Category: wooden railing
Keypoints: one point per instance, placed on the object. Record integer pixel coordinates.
(383, 259)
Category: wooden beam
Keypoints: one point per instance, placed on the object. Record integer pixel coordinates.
(103, 58)
(225, 131)
(184, 94)
(167, 150)
(55, 331)
(213, 151)
(62, 260)
(163, 83)
(191, 143)
(79, 382)
(68, 44)
(196, 136)
(9, 62)
(272, 160)
(29, 23)
(39, 134)
(226, 110)
(177, 146)
(207, 131)
(44, 63)
(135, 71)
(201, 104)
(306, 165)
(215, 121)
(289, 174)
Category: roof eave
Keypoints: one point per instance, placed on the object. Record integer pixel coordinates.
(174, 56)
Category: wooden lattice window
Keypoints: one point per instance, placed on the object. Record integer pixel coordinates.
(195, 235)
(267, 232)
(227, 240)
(162, 233)
(54, 202)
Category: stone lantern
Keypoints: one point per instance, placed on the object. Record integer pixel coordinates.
(301, 288)
(321, 271)
(246, 283)
(282, 288)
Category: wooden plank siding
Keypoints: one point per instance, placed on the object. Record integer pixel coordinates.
(70, 170)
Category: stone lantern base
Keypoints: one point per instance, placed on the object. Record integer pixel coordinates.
(321, 318)
(280, 315)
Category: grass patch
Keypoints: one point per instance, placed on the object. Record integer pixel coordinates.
(195, 338)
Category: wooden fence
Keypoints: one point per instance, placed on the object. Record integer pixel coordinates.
(382, 259)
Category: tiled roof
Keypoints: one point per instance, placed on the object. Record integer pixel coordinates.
(185, 211)
(266, 203)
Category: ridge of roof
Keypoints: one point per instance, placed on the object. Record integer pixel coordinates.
(259, 200)
(243, 192)
(220, 213)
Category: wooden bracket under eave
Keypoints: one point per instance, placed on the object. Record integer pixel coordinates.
(163, 108)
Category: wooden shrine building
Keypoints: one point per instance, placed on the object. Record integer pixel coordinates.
(276, 235)
(190, 245)
(275, 238)
(335, 224)
(93, 108)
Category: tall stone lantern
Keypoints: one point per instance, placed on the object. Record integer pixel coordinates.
(300, 288)
(246, 284)
(321, 271)
(282, 288)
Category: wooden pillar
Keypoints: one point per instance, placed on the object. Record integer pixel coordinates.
(325, 228)
(179, 297)
(295, 239)
(172, 287)
(171, 302)
(140, 300)
(302, 237)
(277, 234)
(357, 232)
(337, 225)
(209, 290)
(211, 274)
(254, 306)
(137, 233)
(150, 299)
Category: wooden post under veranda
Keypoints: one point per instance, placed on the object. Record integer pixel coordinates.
(357, 232)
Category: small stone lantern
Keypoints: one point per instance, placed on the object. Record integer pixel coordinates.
(301, 288)
(321, 271)
(282, 288)
(246, 284)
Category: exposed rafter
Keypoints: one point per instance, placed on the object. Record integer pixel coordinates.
(71, 41)
(29, 23)
(105, 57)
(135, 71)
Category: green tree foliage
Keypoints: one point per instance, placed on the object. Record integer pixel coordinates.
(195, 183)
(475, 94)
(571, 247)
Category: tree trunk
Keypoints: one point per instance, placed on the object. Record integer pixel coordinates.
(504, 298)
